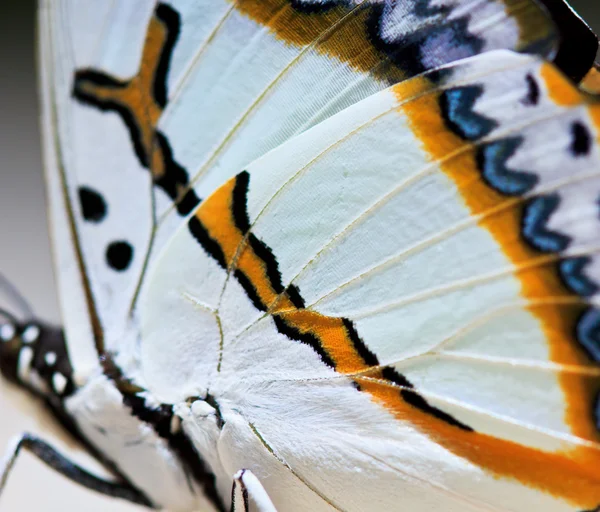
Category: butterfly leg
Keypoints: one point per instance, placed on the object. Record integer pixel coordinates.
(50, 456)
(248, 494)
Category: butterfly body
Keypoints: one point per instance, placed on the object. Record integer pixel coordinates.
(143, 456)
(322, 255)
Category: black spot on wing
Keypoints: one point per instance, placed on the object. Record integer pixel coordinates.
(93, 205)
(533, 91)
(581, 140)
(119, 255)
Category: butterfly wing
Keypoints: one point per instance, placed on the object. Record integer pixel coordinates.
(150, 106)
(395, 310)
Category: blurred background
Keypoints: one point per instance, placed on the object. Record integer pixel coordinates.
(24, 245)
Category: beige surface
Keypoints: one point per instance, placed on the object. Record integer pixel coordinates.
(24, 254)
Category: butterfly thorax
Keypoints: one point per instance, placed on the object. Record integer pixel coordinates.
(143, 439)
(33, 355)
(138, 439)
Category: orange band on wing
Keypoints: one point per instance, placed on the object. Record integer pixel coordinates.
(532, 467)
(355, 38)
(222, 228)
(562, 475)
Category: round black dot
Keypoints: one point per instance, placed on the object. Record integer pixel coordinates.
(93, 205)
(119, 255)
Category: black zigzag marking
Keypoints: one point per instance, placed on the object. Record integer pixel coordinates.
(260, 249)
(536, 215)
(359, 345)
(416, 400)
(458, 110)
(172, 21)
(209, 244)
(240, 202)
(492, 158)
(250, 290)
(91, 77)
(410, 396)
(264, 252)
(293, 293)
(572, 271)
(307, 338)
(175, 176)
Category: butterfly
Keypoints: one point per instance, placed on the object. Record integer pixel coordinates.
(325, 255)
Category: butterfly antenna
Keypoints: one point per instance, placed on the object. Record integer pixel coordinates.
(16, 297)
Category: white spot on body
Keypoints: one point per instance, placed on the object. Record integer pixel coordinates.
(24, 365)
(50, 358)
(7, 332)
(59, 382)
(201, 409)
(30, 334)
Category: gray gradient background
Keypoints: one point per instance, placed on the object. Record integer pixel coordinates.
(24, 246)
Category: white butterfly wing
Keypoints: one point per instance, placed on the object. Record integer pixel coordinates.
(149, 107)
(395, 309)
(145, 99)
(93, 173)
